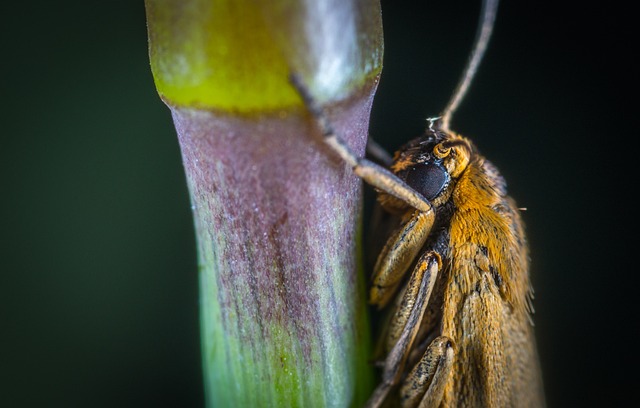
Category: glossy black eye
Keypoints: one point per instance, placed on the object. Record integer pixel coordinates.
(428, 179)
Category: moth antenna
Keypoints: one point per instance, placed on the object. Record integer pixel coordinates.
(485, 28)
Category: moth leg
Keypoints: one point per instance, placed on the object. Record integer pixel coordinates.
(378, 152)
(406, 322)
(425, 384)
(398, 254)
(372, 173)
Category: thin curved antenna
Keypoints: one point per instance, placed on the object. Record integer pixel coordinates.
(485, 28)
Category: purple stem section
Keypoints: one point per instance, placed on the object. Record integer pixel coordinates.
(276, 214)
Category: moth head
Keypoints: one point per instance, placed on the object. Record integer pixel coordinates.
(432, 163)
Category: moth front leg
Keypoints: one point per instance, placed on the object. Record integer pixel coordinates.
(406, 322)
(372, 173)
(425, 384)
(398, 254)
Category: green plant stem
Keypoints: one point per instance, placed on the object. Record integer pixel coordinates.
(283, 304)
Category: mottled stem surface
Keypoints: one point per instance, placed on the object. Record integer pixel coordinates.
(276, 215)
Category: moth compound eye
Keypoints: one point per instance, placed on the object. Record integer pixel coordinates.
(428, 179)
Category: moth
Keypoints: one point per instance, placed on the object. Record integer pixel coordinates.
(455, 273)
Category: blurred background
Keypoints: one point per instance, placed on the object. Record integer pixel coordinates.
(98, 279)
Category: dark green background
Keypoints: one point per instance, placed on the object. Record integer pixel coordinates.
(98, 283)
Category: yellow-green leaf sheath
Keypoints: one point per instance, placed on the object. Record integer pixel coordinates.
(235, 55)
